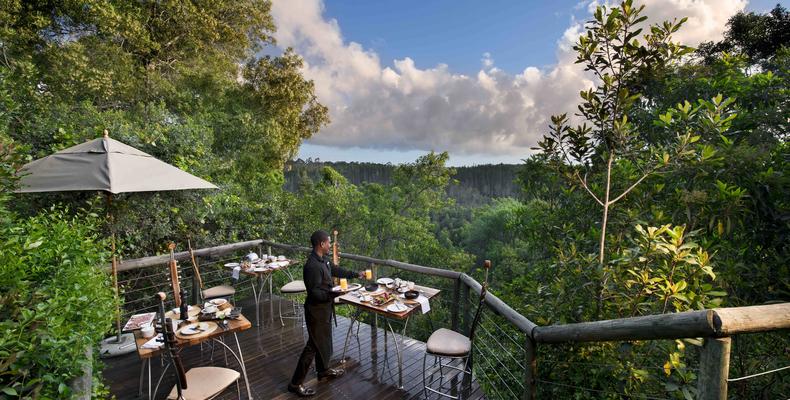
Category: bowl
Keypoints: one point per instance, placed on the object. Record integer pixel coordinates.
(411, 294)
(210, 309)
(218, 302)
(147, 331)
(371, 287)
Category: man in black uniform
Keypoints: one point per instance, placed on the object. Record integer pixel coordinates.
(318, 308)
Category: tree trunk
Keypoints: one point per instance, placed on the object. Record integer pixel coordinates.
(605, 208)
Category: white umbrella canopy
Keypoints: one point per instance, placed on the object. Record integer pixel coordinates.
(107, 165)
(104, 164)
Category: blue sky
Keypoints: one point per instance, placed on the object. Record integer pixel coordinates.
(477, 79)
(457, 33)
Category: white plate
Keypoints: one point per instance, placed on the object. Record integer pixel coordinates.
(351, 287)
(232, 265)
(192, 329)
(218, 302)
(395, 307)
(385, 281)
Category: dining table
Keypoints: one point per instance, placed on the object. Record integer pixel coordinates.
(358, 298)
(216, 330)
(260, 272)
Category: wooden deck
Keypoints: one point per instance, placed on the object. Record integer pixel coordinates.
(271, 352)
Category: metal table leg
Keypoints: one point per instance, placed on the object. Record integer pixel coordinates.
(240, 359)
(255, 296)
(398, 349)
(146, 363)
(354, 317)
(271, 306)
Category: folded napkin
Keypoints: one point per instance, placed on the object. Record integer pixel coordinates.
(235, 273)
(425, 306)
(153, 344)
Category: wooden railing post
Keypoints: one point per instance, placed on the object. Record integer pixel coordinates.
(465, 309)
(714, 369)
(530, 367)
(455, 308)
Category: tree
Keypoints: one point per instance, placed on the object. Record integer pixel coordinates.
(758, 36)
(617, 59)
(183, 81)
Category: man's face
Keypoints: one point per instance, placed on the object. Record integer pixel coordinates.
(325, 245)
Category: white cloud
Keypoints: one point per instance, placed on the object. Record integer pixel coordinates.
(398, 106)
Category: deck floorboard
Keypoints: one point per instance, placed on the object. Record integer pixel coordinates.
(270, 354)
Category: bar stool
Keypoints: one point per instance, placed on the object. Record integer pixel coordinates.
(449, 344)
(293, 290)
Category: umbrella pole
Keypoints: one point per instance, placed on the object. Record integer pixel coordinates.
(120, 343)
(114, 267)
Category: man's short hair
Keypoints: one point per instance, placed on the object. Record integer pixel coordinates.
(318, 237)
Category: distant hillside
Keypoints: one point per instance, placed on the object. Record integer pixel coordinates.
(476, 185)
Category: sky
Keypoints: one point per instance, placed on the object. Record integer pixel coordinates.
(477, 79)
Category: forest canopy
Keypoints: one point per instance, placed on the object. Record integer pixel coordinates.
(665, 190)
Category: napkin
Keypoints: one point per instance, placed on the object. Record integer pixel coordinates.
(425, 306)
(153, 344)
(235, 273)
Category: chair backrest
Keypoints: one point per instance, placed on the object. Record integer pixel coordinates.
(481, 302)
(171, 351)
(195, 268)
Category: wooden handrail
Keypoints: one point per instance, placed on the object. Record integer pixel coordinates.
(500, 307)
(444, 273)
(184, 255)
(704, 323)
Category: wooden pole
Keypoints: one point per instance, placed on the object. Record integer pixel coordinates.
(455, 309)
(335, 258)
(714, 369)
(530, 367)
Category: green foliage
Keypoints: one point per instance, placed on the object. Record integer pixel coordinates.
(165, 78)
(757, 36)
(55, 302)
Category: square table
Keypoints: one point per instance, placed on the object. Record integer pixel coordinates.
(404, 316)
(234, 326)
(260, 273)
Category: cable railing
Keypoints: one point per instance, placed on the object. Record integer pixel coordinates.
(505, 351)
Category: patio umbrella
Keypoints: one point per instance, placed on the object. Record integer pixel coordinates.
(110, 166)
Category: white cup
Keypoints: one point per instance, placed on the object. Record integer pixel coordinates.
(147, 331)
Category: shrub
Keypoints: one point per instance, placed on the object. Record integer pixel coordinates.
(54, 301)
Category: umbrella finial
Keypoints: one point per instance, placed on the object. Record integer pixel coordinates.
(106, 134)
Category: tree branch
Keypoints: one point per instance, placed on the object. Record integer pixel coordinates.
(625, 192)
(584, 185)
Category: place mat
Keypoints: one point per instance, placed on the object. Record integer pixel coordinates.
(138, 321)
(211, 327)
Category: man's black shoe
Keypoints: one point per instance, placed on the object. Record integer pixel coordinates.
(301, 391)
(331, 373)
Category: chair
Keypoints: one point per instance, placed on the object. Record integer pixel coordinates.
(294, 290)
(449, 344)
(202, 383)
(212, 292)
